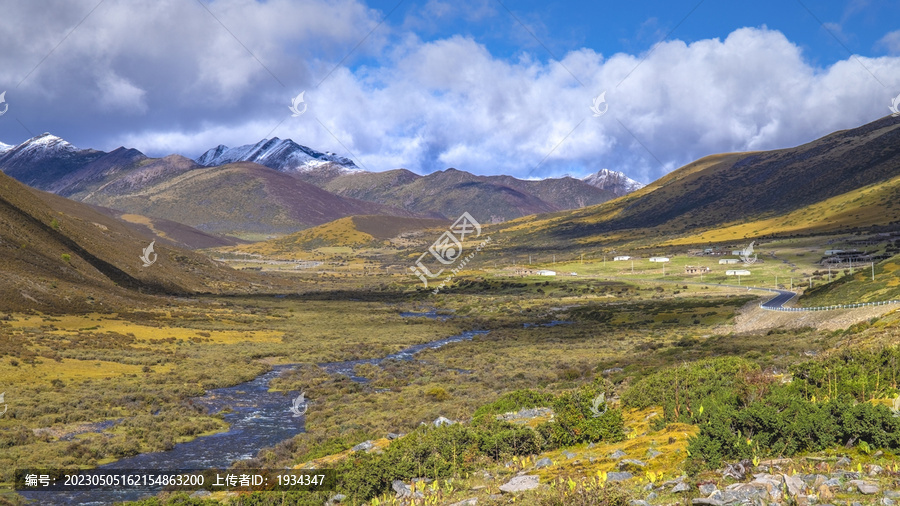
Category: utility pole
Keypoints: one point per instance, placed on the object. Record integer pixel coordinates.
(582, 259)
(792, 283)
(829, 273)
(873, 271)
(554, 259)
(632, 267)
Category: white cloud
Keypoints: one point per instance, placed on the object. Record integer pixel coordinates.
(891, 42)
(172, 79)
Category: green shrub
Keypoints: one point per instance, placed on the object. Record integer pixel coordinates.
(513, 401)
(575, 422)
(682, 390)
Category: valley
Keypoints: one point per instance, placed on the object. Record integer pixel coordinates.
(602, 352)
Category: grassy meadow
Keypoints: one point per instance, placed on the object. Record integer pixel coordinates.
(552, 342)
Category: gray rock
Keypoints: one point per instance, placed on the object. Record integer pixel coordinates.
(707, 488)
(833, 482)
(681, 487)
(618, 454)
(441, 420)
(392, 436)
(638, 502)
(337, 498)
(631, 465)
(521, 484)
(613, 370)
(794, 484)
(544, 462)
(568, 455)
(364, 446)
(865, 487)
(591, 446)
(887, 501)
(401, 488)
(651, 496)
(466, 502)
(618, 476)
(893, 494)
(707, 501)
(875, 470)
(653, 453)
(843, 461)
(738, 470)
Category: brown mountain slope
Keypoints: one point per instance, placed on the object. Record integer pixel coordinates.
(451, 192)
(729, 189)
(239, 199)
(60, 255)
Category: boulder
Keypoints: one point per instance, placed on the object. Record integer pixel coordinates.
(864, 487)
(521, 484)
(441, 420)
(364, 446)
(631, 465)
(618, 476)
(618, 454)
(466, 502)
(707, 488)
(401, 488)
(681, 487)
(544, 462)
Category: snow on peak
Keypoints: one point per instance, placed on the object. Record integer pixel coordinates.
(612, 180)
(284, 155)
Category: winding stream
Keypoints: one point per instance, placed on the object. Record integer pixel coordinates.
(258, 419)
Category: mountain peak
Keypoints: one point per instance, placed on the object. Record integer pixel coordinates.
(614, 181)
(283, 155)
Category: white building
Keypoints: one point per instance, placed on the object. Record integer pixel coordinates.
(546, 273)
(739, 272)
(728, 261)
(621, 257)
(659, 259)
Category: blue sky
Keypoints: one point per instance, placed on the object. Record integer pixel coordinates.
(478, 85)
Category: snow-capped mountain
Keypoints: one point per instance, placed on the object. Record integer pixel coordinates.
(614, 181)
(5, 147)
(44, 159)
(282, 155)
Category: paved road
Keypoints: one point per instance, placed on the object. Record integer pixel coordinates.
(779, 300)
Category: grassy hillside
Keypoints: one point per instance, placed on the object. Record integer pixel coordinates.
(859, 287)
(60, 255)
(843, 181)
(349, 232)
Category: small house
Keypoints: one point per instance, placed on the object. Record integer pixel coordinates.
(659, 259)
(693, 269)
(728, 261)
(546, 273)
(621, 257)
(739, 272)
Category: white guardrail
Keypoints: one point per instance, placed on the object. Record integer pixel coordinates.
(781, 307)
